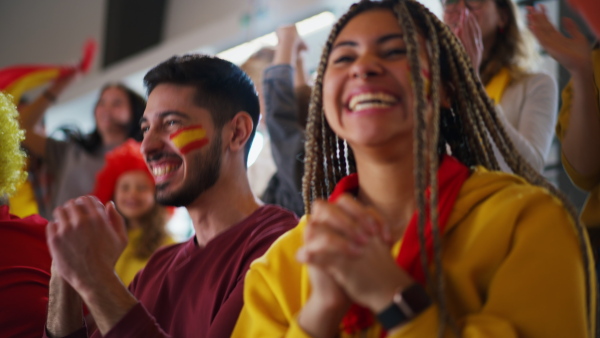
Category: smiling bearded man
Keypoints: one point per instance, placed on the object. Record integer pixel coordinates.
(198, 125)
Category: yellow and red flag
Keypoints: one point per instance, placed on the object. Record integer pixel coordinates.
(189, 138)
(18, 79)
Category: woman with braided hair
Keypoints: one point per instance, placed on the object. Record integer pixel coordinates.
(399, 160)
(504, 58)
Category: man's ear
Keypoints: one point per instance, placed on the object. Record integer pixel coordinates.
(240, 130)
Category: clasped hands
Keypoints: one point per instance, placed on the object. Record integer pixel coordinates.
(85, 239)
(347, 250)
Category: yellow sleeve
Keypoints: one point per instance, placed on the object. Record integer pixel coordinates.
(506, 290)
(564, 114)
(275, 289)
(426, 325)
(539, 297)
(264, 314)
(524, 296)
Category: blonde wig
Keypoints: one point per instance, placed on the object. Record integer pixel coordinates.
(12, 158)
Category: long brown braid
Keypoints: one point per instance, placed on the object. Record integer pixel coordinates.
(328, 158)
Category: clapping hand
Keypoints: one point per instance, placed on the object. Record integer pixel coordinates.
(351, 244)
(573, 53)
(85, 240)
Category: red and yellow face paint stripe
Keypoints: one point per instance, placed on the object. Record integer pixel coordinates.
(426, 80)
(189, 138)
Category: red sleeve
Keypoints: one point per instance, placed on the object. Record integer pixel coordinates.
(81, 333)
(137, 323)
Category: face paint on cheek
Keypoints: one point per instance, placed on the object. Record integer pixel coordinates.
(189, 138)
(426, 75)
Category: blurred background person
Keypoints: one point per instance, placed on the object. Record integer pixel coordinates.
(578, 127)
(503, 54)
(284, 95)
(261, 166)
(126, 180)
(72, 164)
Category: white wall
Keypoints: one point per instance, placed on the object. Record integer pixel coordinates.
(34, 31)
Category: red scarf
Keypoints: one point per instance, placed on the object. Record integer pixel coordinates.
(451, 176)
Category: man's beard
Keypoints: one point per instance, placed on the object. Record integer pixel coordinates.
(203, 174)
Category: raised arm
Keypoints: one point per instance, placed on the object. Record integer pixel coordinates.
(282, 117)
(33, 112)
(582, 135)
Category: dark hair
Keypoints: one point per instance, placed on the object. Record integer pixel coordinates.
(221, 87)
(93, 141)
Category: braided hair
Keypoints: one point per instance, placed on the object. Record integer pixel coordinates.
(468, 128)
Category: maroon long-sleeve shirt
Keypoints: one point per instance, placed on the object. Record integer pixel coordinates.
(188, 291)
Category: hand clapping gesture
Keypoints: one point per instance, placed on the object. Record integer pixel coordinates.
(85, 240)
(347, 248)
(573, 52)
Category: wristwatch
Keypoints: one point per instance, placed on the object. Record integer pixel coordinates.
(406, 304)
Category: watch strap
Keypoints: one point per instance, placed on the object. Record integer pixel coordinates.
(406, 305)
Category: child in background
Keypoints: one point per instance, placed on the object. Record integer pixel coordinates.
(125, 179)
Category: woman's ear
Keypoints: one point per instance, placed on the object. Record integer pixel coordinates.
(446, 93)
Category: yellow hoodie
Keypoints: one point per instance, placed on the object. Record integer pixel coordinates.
(511, 258)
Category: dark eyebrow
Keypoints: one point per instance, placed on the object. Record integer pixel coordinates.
(167, 113)
(344, 43)
(381, 40)
(389, 37)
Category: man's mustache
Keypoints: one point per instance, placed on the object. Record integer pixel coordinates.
(160, 156)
